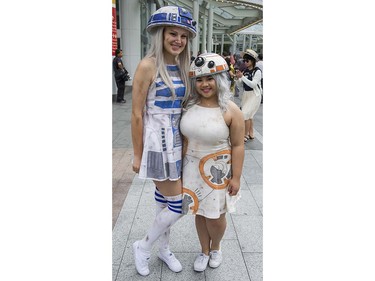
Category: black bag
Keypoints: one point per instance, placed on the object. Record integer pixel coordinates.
(122, 74)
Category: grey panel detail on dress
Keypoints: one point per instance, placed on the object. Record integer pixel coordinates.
(217, 175)
(172, 170)
(163, 140)
(155, 166)
(175, 121)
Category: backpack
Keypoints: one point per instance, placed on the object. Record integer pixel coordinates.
(252, 74)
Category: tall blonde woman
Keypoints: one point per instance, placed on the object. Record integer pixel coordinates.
(160, 86)
(249, 80)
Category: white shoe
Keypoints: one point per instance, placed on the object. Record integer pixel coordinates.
(216, 257)
(141, 258)
(169, 258)
(201, 262)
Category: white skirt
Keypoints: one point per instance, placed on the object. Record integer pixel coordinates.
(250, 104)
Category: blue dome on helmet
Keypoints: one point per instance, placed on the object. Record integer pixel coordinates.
(172, 16)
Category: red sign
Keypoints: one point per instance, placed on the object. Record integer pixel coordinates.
(114, 28)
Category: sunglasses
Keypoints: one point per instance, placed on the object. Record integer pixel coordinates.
(246, 60)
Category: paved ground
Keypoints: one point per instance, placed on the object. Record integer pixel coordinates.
(133, 213)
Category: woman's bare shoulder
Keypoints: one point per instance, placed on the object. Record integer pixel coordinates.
(147, 64)
(146, 69)
(233, 107)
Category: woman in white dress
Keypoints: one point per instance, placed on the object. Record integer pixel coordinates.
(249, 80)
(159, 87)
(213, 129)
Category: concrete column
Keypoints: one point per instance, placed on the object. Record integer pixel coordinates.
(152, 10)
(244, 42)
(130, 17)
(222, 43)
(204, 35)
(195, 42)
(251, 41)
(210, 27)
(234, 43)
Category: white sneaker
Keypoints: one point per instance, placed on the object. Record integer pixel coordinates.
(216, 257)
(201, 262)
(169, 258)
(141, 258)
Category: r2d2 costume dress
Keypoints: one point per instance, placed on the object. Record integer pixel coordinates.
(162, 149)
(207, 162)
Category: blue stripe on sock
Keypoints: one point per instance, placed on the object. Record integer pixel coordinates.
(173, 210)
(161, 201)
(175, 202)
(175, 205)
(159, 195)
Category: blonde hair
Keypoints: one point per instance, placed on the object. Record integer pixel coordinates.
(183, 61)
(223, 91)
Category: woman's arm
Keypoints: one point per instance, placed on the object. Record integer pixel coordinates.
(256, 79)
(236, 133)
(143, 77)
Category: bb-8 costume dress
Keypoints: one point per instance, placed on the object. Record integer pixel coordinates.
(207, 163)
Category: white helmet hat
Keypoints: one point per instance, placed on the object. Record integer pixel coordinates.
(251, 53)
(172, 16)
(207, 64)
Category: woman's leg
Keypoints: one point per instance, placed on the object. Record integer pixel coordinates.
(201, 261)
(216, 229)
(210, 233)
(172, 192)
(247, 129)
(203, 235)
(251, 128)
(161, 204)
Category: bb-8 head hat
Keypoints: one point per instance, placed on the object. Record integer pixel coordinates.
(207, 64)
(172, 16)
(250, 53)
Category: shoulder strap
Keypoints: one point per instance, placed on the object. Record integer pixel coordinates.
(255, 69)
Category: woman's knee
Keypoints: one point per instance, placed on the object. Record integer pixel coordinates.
(169, 188)
(217, 223)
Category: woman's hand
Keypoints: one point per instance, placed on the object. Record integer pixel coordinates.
(233, 187)
(239, 74)
(136, 164)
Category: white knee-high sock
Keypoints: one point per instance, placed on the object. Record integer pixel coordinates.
(163, 221)
(161, 204)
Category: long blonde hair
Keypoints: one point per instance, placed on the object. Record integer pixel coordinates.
(183, 61)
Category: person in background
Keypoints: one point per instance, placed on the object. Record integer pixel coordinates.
(213, 129)
(249, 80)
(238, 65)
(160, 85)
(120, 75)
(231, 74)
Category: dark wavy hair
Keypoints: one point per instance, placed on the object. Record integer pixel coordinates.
(248, 57)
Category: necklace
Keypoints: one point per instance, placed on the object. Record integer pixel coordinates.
(209, 104)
